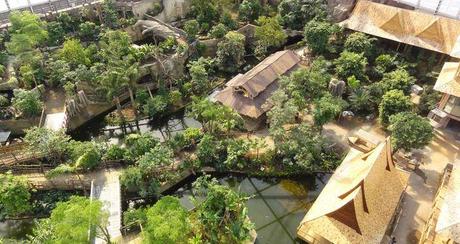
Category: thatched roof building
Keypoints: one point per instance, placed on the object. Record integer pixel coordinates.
(247, 93)
(436, 33)
(449, 79)
(354, 207)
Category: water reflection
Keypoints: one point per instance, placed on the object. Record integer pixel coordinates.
(163, 128)
(276, 206)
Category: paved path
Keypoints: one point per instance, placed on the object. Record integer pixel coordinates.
(422, 186)
(106, 188)
(54, 109)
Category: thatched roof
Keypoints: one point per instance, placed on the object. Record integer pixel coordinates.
(415, 28)
(449, 79)
(448, 223)
(249, 92)
(354, 207)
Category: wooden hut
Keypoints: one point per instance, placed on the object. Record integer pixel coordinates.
(248, 93)
(449, 84)
(427, 31)
(359, 202)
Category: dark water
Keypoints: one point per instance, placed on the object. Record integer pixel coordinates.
(276, 207)
(162, 128)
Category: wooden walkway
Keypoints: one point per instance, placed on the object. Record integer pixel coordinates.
(106, 188)
(17, 157)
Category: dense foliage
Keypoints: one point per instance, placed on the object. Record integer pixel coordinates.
(14, 195)
(410, 131)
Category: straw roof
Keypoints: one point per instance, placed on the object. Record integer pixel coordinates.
(449, 217)
(354, 207)
(249, 92)
(415, 28)
(449, 79)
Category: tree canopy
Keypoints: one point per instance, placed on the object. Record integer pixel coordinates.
(294, 14)
(14, 195)
(317, 34)
(393, 102)
(167, 222)
(230, 52)
(410, 131)
(269, 34)
(27, 32)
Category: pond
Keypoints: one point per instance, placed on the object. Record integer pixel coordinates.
(276, 207)
(162, 128)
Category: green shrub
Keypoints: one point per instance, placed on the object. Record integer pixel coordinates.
(115, 152)
(218, 31)
(156, 106)
(4, 102)
(193, 135)
(351, 64)
(89, 160)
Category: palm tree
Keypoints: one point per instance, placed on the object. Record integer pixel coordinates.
(360, 100)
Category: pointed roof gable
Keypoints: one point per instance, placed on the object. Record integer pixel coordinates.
(449, 79)
(439, 34)
(433, 33)
(354, 207)
(395, 24)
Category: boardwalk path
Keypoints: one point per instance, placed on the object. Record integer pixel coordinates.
(106, 188)
(55, 109)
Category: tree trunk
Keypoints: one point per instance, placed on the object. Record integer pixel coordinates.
(120, 114)
(105, 233)
(133, 102)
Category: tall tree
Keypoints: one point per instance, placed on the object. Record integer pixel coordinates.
(393, 102)
(230, 52)
(410, 131)
(27, 32)
(269, 34)
(318, 33)
(167, 222)
(74, 220)
(294, 14)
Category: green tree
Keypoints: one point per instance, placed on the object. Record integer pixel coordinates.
(135, 180)
(230, 52)
(214, 117)
(139, 144)
(269, 34)
(384, 63)
(74, 53)
(192, 28)
(349, 64)
(393, 102)
(208, 150)
(359, 42)
(88, 30)
(283, 111)
(72, 220)
(221, 213)
(360, 100)
(58, 73)
(410, 131)
(294, 14)
(199, 72)
(28, 103)
(14, 195)
(48, 142)
(167, 222)
(227, 19)
(218, 31)
(399, 79)
(327, 108)
(110, 14)
(317, 35)
(159, 157)
(249, 10)
(56, 33)
(205, 11)
(27, 32)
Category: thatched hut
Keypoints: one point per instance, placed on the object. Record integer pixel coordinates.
(248, 93)
(354, 207)
(449, 84)
(424, 30)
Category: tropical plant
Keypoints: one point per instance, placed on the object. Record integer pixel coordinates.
(230, 52)
(317, 35)
(14, 195)
(410, 131)
(359, 42)
(327, 108)
(351, 64)
(294, 14)
(393, 102)
(269, 34)
(167, 222)
(399, 79)
(249, 10)
(28, 103)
